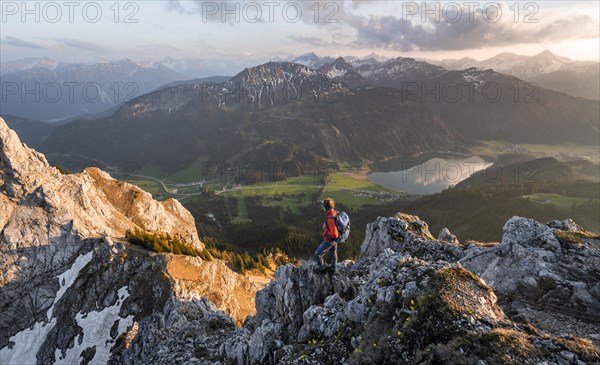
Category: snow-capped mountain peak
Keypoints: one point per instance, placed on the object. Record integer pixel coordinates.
(546, 69)
(311, 60)
(45, 63)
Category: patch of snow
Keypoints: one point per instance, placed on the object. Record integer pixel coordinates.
(96, 328)
(67, 278)
(336, 73)
(27, 343)
(472, 78)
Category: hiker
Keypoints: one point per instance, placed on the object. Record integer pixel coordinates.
(330, 234)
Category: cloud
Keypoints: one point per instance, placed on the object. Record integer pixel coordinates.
(321, 12)
(175, 6)
(313, 41)
(382, 25)
(406, 34)
(81, 44)
(317, 42)
(17, 42)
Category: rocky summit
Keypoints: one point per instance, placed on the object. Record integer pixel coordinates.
(74, 290)
(413, 299)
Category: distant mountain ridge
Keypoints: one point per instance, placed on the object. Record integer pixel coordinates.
(102, 86)
(520, 66)
(548, 70)
(7, 67)
(48, 90)
(480, 104)
(311, 60)
(340, 70)
(69, 90)
(393, 72)
(315, 62)
(284, 111)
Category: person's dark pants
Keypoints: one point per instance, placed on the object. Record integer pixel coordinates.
(324, 248)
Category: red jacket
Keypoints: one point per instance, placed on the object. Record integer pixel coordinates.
(330, 231)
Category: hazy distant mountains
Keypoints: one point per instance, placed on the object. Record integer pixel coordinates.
(523, 67)
(313, 61)
(340, 70)
(47, 90)
(546, 69)
(28, 64)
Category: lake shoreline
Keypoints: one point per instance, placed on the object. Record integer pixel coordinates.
(435, 173)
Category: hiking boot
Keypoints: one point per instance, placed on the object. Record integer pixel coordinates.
(330, 270)
(320, 270)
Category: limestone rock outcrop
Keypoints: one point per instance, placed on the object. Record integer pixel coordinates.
(412, 299)
(71, 286)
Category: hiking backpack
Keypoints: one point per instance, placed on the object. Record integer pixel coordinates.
(342, 222)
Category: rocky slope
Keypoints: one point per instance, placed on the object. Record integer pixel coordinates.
(340, 70)
(71, 288)
(411, 299)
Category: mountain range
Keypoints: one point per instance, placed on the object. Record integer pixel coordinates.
(314, 61)
(286, 112)
(277, 112)
(546, 69)
(342, 112)
(49, 90)
(481, 104)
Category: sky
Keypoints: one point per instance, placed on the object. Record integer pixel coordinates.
(256, 31)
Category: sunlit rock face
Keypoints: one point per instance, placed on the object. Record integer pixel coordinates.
(72, 289)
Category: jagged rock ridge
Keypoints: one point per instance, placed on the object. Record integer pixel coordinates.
(71, 288)
(411, 299)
